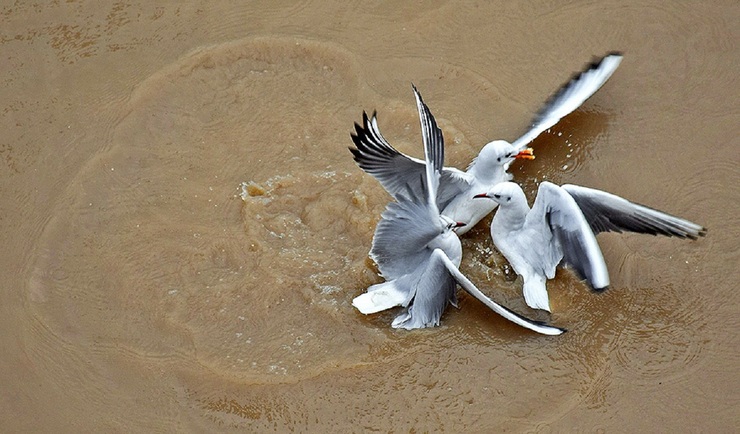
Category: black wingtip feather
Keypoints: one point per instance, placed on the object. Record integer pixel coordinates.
(370, 145)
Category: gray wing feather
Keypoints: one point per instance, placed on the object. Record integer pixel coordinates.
(570, 96)
(562, 216)
(434, 290)
(606, 212)
(396, 171)
(377, 157)
(401, 236)
(434, 150)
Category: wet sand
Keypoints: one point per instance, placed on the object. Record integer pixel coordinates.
(184, 228)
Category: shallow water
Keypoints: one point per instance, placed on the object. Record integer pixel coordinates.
(185, 229)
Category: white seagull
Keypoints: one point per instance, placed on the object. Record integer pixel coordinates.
(418, 253)
(397, 171)
(561, 227)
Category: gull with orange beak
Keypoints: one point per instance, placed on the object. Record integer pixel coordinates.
(398, 172)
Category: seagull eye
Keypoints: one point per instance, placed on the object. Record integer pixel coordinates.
(508, 199)
(498, 159)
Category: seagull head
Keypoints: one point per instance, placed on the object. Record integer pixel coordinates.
(501, 153)
(504, 193)
(449, 224)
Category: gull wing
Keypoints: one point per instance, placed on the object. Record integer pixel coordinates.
(396, 171)
(404, 230)
(570, 96)
(434, 290)
(443, 184)
(470, 288)
(435, 287)
(606, 212)
(434, 150)
(377, 157)
(555, 210)
(409, 224)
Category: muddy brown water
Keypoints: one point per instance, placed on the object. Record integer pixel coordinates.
(142, 293)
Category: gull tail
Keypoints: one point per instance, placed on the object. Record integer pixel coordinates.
(535, 292)
(380, 297)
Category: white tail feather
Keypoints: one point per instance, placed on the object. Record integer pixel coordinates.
(535, 292)
(379, 297)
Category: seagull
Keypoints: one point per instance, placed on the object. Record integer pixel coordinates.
(418, 253)
(561, 227)
(397, 172)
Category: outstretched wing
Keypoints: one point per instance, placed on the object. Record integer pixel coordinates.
(570, 96)
(556, 209)
(469, 287)
(606, 212)
(377, 157)
(434, 150)
(397, 172)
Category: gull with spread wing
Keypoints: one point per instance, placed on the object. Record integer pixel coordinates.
(398, 172)
(418, 253)
(561, 227)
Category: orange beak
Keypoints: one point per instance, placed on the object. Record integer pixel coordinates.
(527, 154)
